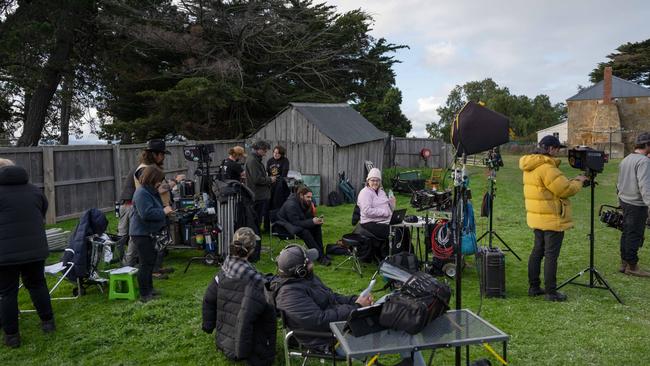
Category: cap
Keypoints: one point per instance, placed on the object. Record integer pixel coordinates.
(373, 173)
(156, 145)
(643, 138)
(245, 237)
(550, 141)
(294, 256)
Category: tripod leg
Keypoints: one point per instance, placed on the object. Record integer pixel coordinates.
(507, 246)
(572, 278)
(602, 280)
(482, 236)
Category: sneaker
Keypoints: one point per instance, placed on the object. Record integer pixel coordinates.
(635, 270)
(166, 270)
(48, 326)
(535, 291)
(159, 276)
(555, 296)
(325, 261)
(12, 340)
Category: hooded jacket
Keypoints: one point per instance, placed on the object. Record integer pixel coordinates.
(546, 192)
(91, 222)
(22, 209)
(307, 304)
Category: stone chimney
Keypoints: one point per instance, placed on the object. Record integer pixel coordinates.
(607, 85)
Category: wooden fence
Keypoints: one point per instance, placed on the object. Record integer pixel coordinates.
(76, 178)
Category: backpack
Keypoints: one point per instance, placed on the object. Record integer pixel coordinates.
(468, 241)
(334, 199)
(419, 301)
(407, 261)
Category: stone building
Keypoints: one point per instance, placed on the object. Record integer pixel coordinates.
(609, 115)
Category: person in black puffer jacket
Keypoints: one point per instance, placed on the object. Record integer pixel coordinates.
(235, 305)
(23, 250)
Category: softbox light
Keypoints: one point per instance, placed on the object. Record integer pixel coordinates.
(477, 129)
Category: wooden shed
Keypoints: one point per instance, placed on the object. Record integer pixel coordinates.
(326, 139)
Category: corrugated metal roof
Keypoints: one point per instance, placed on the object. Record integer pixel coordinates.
(340, 122)
(621, 88)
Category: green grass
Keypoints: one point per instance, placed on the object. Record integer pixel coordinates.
(589, 329)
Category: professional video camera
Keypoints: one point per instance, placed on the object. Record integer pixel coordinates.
(198, 153)
(613, 217)
(493, 160)
(431, 199)
(587, 159)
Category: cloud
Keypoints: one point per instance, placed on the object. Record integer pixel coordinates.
(440, 53)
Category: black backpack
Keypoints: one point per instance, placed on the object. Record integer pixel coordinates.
(417, 303)
(334, 199)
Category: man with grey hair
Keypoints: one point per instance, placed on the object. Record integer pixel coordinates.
(634, 197)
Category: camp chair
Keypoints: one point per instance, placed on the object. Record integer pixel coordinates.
(278, 231)
(293, 349)
(435, 180)
(60, 271)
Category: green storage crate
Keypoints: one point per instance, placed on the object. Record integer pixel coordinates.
(313, 182)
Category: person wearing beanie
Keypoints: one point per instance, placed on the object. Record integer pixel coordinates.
(375, 207)
(633, 189)
(548, 213)
(235, 301)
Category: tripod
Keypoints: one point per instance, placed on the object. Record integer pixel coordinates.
(596, 280)
(491, 232)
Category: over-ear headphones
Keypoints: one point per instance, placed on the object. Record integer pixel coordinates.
(300, 270)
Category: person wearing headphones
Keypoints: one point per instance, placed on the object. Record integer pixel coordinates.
(305, 301)
(235, 302)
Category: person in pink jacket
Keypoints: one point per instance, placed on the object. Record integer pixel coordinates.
(375, 206)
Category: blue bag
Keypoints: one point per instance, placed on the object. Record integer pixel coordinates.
(468, 240)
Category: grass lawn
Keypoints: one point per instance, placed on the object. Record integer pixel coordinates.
(591, 328)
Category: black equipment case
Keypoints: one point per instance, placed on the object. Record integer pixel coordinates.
(492, 266)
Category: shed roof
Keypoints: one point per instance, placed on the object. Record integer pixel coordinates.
(621, 88)
(340, 122)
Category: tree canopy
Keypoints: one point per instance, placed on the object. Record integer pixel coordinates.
(527, 115)
(631, 61)
(200, 69)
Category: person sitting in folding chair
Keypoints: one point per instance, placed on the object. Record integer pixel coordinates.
(304, 301)
(23, 250)
(375, 206)
(235, 300)
(297, 217)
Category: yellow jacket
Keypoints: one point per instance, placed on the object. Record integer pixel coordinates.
(546, 190)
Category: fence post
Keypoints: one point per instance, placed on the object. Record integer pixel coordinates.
(49, 188)
(117, 171)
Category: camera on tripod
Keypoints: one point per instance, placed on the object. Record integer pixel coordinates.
(493, 160)
(587, 159)
(198, 153)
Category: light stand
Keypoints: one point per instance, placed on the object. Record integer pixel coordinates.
(459, 202)
(491, 232)
(596, 280)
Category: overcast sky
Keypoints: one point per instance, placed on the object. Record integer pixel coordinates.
(532, 47)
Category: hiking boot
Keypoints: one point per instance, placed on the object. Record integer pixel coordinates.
(555, 296)
(48, 326)
(159, 276)
(535, 291)
(623, 266)
(166, 270)
(635, 270)
(324, 260)
(12, 340)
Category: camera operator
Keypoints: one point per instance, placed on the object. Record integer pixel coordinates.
(548, 212)
(260, 183)
(634, 197)
(232, 165)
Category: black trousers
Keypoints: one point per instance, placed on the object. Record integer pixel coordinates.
(547, 246)
(34, 281)
(261, 207)
(313, 238)
(147, 256)
(634, 218)
(380, 231)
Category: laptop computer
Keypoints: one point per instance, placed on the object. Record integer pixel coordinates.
(398, 216)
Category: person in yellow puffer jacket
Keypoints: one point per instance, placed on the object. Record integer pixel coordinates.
(548, 213)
